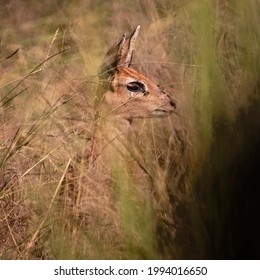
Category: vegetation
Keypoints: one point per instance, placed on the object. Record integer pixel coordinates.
(202, 161)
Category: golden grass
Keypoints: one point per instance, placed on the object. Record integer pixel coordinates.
(205, 54)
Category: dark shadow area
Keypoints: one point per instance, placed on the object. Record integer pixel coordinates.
(228, 191)
(245, 189)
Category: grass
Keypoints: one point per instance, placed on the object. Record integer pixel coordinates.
(201, 164)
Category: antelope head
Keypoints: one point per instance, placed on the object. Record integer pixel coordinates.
(129, 93)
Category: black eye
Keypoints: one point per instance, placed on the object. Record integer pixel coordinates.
(136, 87)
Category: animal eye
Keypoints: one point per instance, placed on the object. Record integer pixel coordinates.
(136, 87)
(133, 88)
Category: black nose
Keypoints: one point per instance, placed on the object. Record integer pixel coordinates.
(173, 103)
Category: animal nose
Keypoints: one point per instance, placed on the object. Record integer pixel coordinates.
(172, 101)
(173, 104)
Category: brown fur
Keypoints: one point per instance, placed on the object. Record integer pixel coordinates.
(127, 95)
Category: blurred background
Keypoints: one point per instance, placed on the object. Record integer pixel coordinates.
(204, 158)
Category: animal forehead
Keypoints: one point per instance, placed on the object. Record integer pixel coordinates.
(130, 75)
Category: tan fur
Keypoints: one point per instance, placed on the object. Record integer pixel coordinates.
(126, 95)
(154, 103)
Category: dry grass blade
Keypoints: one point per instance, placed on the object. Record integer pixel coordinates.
(30, 244)
(137, 188)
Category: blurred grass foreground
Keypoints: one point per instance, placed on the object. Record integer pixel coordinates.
(202, 200)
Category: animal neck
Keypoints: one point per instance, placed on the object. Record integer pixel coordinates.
(113, 128)
(111, 132)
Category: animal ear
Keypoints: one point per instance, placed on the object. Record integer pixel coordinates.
(126, 48)
(118, 55)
